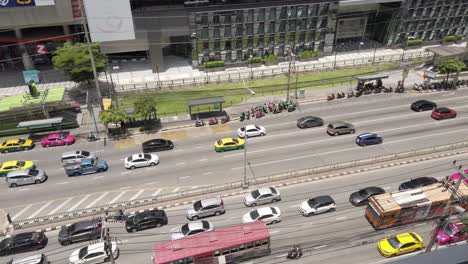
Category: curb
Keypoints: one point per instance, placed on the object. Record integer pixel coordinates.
(113, 208)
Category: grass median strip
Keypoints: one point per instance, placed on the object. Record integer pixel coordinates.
(173, 102)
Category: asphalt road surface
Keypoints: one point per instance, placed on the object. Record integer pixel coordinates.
(342, 236)
(194, 163)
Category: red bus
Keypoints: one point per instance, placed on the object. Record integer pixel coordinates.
(399, 208)
(225, 245)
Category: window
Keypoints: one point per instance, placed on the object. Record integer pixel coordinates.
(234, 249)
(216, 253)
(241, 247)
(265, 242)
(225, 251)
(250, 245)
(258, 243)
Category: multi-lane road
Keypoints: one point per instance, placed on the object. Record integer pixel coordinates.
(193, 162)
(343, 236)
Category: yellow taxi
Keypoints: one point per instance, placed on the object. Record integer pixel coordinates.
(226, 144)
(16, 144)
(14, 165)
(400, 244)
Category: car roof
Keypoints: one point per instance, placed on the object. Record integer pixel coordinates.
(74, 152)
(323, 199)
(226, 140)
(18, 172)
(137, 156)
(264, 210)
(151, 141)
(28, 260)
(443, 109)
(97, 247)
(211, 201)
(405, 238)
(250, 126)
(85, 224)
(310, 117)
(13, 140)
(422, 102)
(10, 163)
(265, 190)
(53, 135)
(367, 135)
(339, 123)
(196, 225)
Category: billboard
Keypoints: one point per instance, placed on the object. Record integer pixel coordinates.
(25, 3)
(109, 20)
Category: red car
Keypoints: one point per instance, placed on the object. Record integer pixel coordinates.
(454, 177)
(453, 232)
(57, 140)
(443, 113)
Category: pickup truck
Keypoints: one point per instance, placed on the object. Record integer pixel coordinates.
(85, 166)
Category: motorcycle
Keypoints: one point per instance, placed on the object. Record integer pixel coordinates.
(350, 94)
(259, 114)
(225, 119)
(242, 117)
(213, 121)
(92, 137)
(294, 253)
(276, 110)
(199, 123)
(120, 216)
(331, 97)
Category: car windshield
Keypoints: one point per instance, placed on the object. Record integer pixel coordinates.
(83, 252)
(206, 224)
(257, 127)
(254, 215)
(20, 163)
(312, 203)
(21, 141)
(185, 229)
(274, 210)
(147, 156)
(63, 136)
(394, 242)
(235, 140)
(197, 206)
(219, 142)
(449, 231)
(85, 153)
(363, 193)
(33, 172)
(255, 194)
(273, 190)
(129, 159)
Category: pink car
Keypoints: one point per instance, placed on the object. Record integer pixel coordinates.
(454, 178)
(452, 233)
(57, 140)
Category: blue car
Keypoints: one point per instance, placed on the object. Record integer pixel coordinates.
(367, 139)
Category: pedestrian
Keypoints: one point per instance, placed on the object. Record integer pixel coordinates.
(9, 219)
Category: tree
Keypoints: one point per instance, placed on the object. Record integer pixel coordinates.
(114, 116)
(74, 61)
(450, 65)
(145, 108)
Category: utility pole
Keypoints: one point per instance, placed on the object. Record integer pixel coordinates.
(290, 54)
(91, 57)
(443, 221)
(107, 241)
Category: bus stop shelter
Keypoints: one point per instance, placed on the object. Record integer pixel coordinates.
(215, 101)
(51, 122)
(370, 78)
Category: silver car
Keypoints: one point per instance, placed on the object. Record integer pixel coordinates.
(339, 128)
(262, 196)
(269, 215)
(191, 229)
(206, 207)
(77, 156)
(24, 177)
(141, 160)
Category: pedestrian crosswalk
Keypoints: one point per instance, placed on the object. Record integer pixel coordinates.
(69, 204)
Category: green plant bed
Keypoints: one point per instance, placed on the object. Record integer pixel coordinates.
(175, 102)
(24, 99)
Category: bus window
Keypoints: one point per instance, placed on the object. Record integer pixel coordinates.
(258, 243)
(225, 251)
(189, 260)
(216, 253)
(250, 245)
(405, 212)
(241, 247)
(265, 242)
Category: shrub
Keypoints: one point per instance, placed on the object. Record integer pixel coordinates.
(255, 60)
(458, 37)
(414, 42)
(271, 58)
(214, 64)
(309, 54)
(450, 38)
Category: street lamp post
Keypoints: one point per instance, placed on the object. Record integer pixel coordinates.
(360, 44)
(290, 54)
(375, 50)
(251, 72)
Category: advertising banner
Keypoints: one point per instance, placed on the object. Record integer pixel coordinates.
(25, 3)
(109, 20)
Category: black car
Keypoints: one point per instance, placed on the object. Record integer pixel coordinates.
(361, 197)
(423, 105)
(155, 145)
(80, 231)
(309, 121)
(23, 242)
(417, 182)
(146, 220)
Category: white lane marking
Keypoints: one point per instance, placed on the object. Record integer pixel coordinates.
(203, 160)
(206, 173)
(420, 224)
(117, 197)
(341, 150)
(194, 187)
(98, 177)
(41, 209)
(137, 194)
(185, 177)
(125, 172)
(176, 190)
(60, 206)
(97, 151)
(319, 247)
(198, 147)
(275, 231)
(330, 139)
(387, 187)
(295, 206)
(96, 200)
(152, 182)
(122, 159)
(21, 212)
(180, 163)
(177, 150)
(23, 189)
(157, 192)
(79, 203)
(61, 182)
(341, 218)
(123, 188)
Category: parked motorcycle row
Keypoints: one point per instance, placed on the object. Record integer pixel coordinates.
(444, 85)
(275, 108)
(213, 121)
(366, 89)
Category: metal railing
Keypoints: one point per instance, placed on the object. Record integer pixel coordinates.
(233, 185)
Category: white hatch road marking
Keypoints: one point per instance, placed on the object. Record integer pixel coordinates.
(185, 177)
(98, 177)
(97, 151)
(157, 192)
(97, 200)
(319, 247)
(137, 194)
(203, 160)
(117, 197)
(78, 203)
(295, 206)
(194, 187)
(41, 209)
(180, 163)
(206, 173)
(21, 212)
(341, 150)
(387, 187)
(275, 231)
(420, 224)
(341, 218)
(123, 188)
(176, 190)
(198, 147)
(61, 182)
(330, 139)
(23, 189)
(125, 172)
(60, 206)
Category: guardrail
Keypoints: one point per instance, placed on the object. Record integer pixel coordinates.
(233, 185)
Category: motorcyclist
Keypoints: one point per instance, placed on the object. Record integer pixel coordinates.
(295, 252)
